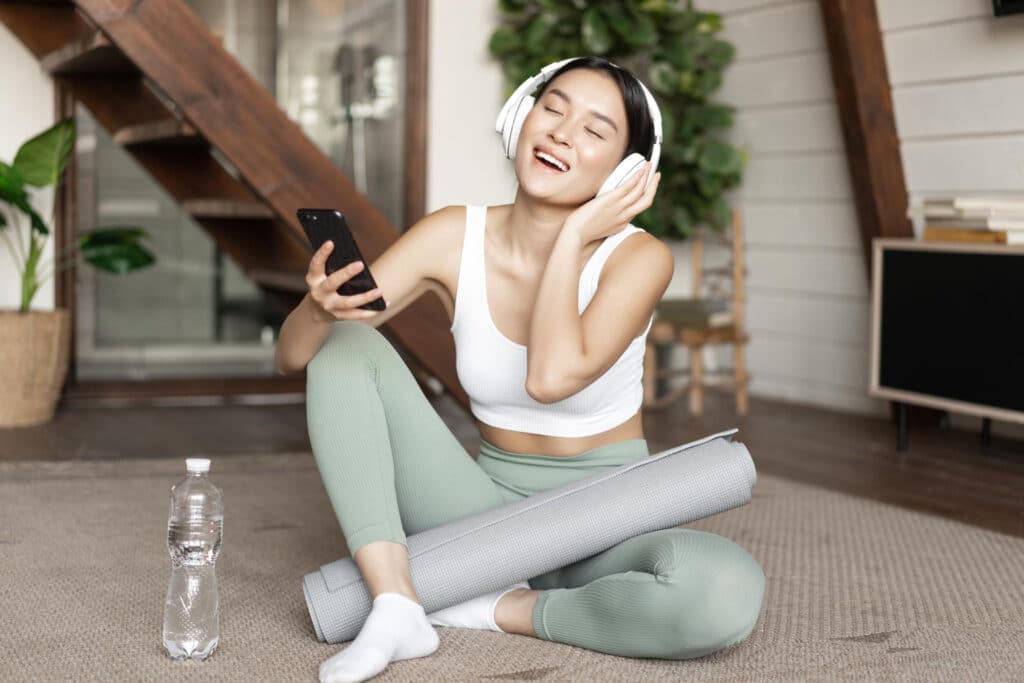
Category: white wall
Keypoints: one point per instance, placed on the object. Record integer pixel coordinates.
(960, 112)
(26, 108)
(465, 164)
(808, 308)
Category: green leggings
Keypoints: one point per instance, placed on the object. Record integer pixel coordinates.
(392, 467)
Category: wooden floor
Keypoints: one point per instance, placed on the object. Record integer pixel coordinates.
(945, 472)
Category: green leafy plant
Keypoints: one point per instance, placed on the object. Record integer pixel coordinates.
(40, 162)
(675, 49)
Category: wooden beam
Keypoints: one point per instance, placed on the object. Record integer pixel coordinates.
(416, 68)
(869, 126)
(861, 80)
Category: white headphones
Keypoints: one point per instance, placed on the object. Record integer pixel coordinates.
(513, 113)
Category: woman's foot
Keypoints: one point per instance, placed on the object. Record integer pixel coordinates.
(396, 628)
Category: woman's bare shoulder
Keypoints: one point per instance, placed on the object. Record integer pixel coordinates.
(439, 241)
(441, 222)
(642, 250)
(435, 237)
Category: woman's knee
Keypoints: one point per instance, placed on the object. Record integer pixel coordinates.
(714, 596)
(348, 343)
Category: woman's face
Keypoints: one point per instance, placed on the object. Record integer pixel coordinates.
(573, 137)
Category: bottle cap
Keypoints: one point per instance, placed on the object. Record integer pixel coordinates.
(197, 465)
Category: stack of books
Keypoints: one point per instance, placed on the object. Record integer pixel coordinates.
(998, 220)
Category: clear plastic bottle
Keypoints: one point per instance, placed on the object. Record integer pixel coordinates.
(195, 527)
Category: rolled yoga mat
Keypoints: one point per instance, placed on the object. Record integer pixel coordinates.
(468, 557)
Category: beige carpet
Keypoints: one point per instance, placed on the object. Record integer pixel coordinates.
(856, 590)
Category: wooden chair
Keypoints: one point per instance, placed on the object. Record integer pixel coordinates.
(689, 322)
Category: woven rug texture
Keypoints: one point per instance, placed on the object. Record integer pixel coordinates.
(856, 590)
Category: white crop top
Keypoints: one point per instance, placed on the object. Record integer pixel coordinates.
(492, 368)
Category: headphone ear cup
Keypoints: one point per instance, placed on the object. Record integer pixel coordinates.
(626, 168)
(514, 125)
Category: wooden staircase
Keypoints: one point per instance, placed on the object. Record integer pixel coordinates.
(205, 130)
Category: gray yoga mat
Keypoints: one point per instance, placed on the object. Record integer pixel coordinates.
(495, 548)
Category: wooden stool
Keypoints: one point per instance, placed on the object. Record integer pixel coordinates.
(712, 316)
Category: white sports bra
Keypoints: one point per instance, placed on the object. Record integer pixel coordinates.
(492, 367)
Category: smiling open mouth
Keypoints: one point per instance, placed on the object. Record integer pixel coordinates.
(551, 161)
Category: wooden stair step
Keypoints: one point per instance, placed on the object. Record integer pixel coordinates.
(259, 245)
(168, 132)
(93, 54)
(44, 27)
(227, 208)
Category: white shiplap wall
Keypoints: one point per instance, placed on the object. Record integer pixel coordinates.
(960, 112)
(807, 287)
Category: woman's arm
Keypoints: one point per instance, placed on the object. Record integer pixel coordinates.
(402, 272)
(302, 334)
(567, 351)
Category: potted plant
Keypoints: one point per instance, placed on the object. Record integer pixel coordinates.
(35, 345)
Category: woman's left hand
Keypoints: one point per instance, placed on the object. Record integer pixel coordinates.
(610, 212)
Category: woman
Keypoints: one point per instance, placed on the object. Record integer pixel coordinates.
(553, 298)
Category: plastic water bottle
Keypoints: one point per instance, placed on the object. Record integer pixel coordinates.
(195, 529)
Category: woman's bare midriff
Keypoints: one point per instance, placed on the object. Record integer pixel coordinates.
(559, 446)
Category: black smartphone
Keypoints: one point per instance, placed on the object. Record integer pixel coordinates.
(328, 224)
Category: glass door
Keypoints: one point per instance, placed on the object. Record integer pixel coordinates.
(337, 67)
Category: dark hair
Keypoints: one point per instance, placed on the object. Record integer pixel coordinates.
(638, 116)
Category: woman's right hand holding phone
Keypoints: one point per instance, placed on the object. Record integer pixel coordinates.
(327, 305)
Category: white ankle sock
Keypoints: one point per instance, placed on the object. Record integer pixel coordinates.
(396, 628)
(477, 613)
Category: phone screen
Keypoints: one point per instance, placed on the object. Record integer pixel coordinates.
(328, 224)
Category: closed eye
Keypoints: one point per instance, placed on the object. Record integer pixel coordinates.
(595, 134)
(553, 111)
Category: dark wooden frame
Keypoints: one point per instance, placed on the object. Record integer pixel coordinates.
(857, 58)
(417, 44)
(141, 391)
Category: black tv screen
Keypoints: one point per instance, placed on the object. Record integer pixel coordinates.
(951, 325)
(1004, 7)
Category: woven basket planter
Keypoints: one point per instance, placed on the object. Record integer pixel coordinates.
(34, 355)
